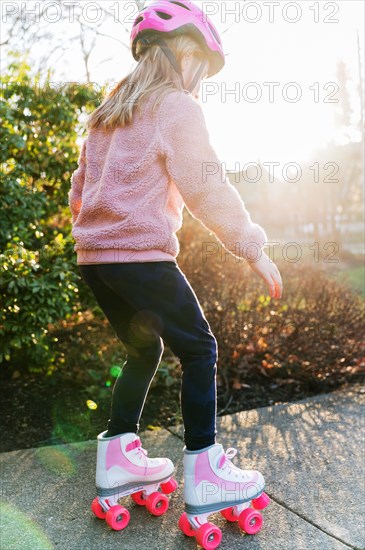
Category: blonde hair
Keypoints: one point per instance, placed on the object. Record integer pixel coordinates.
(153, 73)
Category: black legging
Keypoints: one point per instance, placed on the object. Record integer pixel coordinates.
(147, 303)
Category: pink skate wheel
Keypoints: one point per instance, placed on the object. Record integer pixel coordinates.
(97, 509)
(250, 521)
(185, 526)
(208, 536)
(229, 514)
(169, 487)
(157, 504)
(261, 502)
(138, 498)
(117, 517)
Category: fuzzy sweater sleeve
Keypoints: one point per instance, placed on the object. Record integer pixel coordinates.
(194, 167)
(77, 184)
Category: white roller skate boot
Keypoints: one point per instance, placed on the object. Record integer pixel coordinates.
(213, 484)
(122, 468)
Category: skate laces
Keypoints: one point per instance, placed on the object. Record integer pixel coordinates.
(225, 458)
(137, 445)
(140, 451)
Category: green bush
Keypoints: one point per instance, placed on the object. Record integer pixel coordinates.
(39, 275)
(39, 288)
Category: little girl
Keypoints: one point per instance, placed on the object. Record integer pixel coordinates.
(147, 155)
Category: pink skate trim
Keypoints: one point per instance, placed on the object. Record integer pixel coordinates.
(115, 457)
(113, 452)
(204, 472)
(133, 445)
(222, 461)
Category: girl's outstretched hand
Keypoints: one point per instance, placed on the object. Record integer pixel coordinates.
(269, 272)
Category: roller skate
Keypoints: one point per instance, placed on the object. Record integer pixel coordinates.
(122, 469)
(213, 484)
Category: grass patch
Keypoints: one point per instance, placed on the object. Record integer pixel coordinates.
(354, 277)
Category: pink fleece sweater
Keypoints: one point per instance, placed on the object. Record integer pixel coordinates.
(131, 185)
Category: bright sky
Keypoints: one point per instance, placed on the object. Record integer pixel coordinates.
(281, 52)
(299, 56)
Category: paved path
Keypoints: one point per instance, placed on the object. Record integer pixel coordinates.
(311, 453)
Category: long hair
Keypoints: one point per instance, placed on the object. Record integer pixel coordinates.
(153, 73)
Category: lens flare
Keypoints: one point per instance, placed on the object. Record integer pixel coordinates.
(20, 531)
(56, 459)
(115, 371)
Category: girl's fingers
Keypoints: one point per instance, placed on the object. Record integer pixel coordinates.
(277, 287)
(271, 284)
(278, 275)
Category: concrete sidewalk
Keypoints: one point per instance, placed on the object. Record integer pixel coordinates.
(310, 452)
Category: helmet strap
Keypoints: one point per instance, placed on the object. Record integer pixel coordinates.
(197, 76)
(171, 57)
(169, 54)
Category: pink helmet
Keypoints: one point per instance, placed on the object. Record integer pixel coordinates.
(170, 18)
